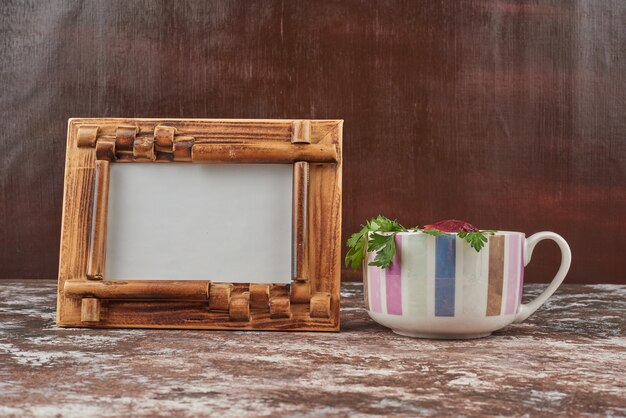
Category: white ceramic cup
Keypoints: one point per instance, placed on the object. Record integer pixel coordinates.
(440, 287)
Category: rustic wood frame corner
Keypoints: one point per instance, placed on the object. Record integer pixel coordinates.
(309, 303)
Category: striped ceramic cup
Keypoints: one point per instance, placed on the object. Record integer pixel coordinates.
(440, 287)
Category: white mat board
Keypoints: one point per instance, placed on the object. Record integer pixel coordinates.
(219, 222)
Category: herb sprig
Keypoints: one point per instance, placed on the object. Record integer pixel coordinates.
(381, 232)
(379, 235)
(478, 239)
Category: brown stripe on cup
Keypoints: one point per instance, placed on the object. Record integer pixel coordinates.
(496, 274)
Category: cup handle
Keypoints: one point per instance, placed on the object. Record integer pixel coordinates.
(527, 309)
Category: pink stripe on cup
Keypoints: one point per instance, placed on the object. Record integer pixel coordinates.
(512, 273)
(393, 281)
(521, 271)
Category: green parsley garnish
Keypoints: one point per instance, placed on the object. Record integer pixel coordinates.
(476, 240)
(379, 233)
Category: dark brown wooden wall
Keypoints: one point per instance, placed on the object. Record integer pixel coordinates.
(510, 114)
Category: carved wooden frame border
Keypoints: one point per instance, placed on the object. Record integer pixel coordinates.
(309, 303)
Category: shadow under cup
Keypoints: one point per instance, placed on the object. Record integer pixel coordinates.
(442, 287)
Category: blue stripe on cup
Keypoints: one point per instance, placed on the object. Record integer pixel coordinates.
(445, 266)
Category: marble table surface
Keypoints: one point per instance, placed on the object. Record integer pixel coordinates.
(567, 359)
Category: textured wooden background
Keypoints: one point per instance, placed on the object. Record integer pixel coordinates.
(510, 114)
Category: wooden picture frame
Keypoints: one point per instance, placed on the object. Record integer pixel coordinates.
(309, 303)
